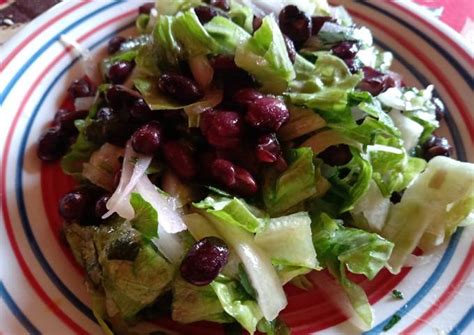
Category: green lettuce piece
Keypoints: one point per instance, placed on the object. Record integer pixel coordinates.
(232, 211)
(192, 36)
(237, 303)
(342, 249)
(393, 171)
(131, 286)
(193, 303)
(241, 15)
(226, 33)
(167, 49)
(428, 201)
(348, 183)
(275, 327)
(142, 23)
(265, 57)
(146, 218)
(324, 86)
(172, 7)
(80, 152)
(287, 240)
(302, 180)
(418, 105)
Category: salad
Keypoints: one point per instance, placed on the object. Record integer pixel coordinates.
(230, 148)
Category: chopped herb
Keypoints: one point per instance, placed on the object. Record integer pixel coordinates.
(397, 294)
(392, 322)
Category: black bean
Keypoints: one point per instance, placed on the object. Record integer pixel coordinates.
(436, 146)
(146, 8)
(120, 71)
(147, 139)
(114, 44)
(290, 48)
(205, 13)
(81, 88)
(317, 23)
(53, 144)
(222, 4)
(180, 88)
(336, 155)
(204, 261)
(295, 24)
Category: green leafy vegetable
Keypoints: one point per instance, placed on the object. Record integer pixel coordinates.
(232, 211)
(397, 295)
(302, 180)
(265, 57)
(288, 241)
(226, 33)
(237, 303)
(193, 303)
(444, 184)
(242, 15)
(172, 7)
(340, 249)
(392, 322)
(194, 39)
(146, 218)
(82, 149)
(324, 86)
(168, 50)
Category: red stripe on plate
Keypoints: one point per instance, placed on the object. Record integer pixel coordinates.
(448, 85)
(447, 296)
(39, 30)
(464, 54)
(8, 224)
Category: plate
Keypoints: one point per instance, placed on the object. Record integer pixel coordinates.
(43, 289)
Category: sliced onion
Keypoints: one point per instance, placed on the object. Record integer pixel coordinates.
(83, 103)
(202, 70)
(170, 245)
(132, 171)
(212, 99)
(84, 55)
(166, 207)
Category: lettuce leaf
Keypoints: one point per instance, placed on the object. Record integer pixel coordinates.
(348, 182)
(166, 49)
(446, 185)
(302, 180)
(241, 15)
(80, 152)
(342, 249)
(287, 240)
(146, 218)
(324, 86)
(233, 211)
(265, 57)
(172, 7)
(237, 303)
(193, 303)
(192, 36)
(226, 33)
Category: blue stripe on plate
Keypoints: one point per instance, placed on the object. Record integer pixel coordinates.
(55, 38)
(452, 60)
(16, 311)
(21, 202)
(463, 323)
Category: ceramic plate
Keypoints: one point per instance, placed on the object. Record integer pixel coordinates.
(42, 288)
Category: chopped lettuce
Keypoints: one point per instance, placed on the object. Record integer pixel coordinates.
(265, 57)
(324, 86)
(131, 286)
(80, 152)
(232, 211)
(241, 15)
(166, 50)
(442, 187)
(237, 303)
(193, 303)
(194, 39)
(146, 218)
(349, 182)
(302, 180)
(226, 33)
(172, 7)
(288, 241)
(342, 249)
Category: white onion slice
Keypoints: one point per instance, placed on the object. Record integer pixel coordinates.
(84, 55)
(83, 103)
(132, 171)
(166, 207)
